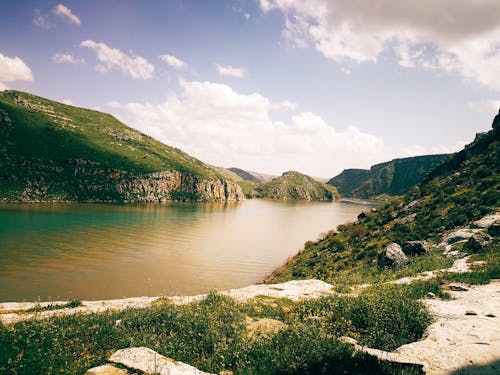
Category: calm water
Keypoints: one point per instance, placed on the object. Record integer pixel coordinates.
(102, 251)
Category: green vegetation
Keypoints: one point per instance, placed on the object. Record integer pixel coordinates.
(55, 306)
(394, 177)
(461, 190)
(294, 185)
(51, 151)
(211, 335)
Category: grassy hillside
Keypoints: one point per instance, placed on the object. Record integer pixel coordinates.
(294, 185)
(395, 177)
(49, 150)
(462, 189)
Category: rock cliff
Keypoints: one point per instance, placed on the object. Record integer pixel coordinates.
(53, 152)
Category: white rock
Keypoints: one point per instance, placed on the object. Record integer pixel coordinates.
(456, 340)
(150, 362)
(486, 221)
(107, 370)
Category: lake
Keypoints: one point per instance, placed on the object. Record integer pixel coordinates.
(104, 251)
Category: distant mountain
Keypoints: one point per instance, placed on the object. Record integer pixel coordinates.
(294, 185)
(54, 152)
(394, 177)
(259, 178)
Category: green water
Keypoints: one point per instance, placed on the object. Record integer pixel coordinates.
(103, 251)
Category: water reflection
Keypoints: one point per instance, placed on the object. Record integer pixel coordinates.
(93, 251)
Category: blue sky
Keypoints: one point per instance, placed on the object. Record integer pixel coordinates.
(268, 85)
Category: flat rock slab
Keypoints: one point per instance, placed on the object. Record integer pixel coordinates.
(107, 370)
(457, 339)
(12, 312)
(150, 362)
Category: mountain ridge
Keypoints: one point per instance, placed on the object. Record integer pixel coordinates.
(394, 177)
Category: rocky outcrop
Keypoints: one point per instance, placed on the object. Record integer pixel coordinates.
(171, 185)
(392, 256)
(477, 242)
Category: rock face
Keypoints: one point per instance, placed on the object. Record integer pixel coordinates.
(486, 221)
(394, 177)
(392, 256)
(162, 186)
(477, 242)
(411, 248)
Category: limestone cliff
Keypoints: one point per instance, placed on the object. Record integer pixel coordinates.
(53, 152)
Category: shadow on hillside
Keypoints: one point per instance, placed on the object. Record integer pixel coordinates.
(491, 368)
(360, 364)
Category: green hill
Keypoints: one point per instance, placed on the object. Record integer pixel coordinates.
(394, 177)
(54, 152)
(294, 185)
(462, 189)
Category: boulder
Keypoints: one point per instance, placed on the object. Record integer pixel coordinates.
(392, 256)
(477, 242)
(411, 248)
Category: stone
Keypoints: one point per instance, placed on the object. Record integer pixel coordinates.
(457, 236)
(477, 242)
(486, 221)
(348, 340)
(411, 248)
(263, 328)
(106, 370)
(151, 362)
(470, 312)
(458, 287)
(392, 256)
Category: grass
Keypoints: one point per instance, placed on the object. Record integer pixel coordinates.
(55, 306)
(211, 335)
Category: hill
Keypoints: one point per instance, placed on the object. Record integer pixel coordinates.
(394, 177)
(462, 189)
(294, 185)
(54, 152)
(259, 178)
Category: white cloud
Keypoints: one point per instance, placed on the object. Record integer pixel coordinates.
(460, 37)
(67, 58)
(64, 12)
(13, 69)
(173, 61)
(67, 102)
(223, 127)
(489, 107)
(113, 104)
(230, 71)
(42, 20)
(417, 150)
(135, 66)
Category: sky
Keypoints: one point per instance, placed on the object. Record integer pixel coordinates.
(268, 85)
